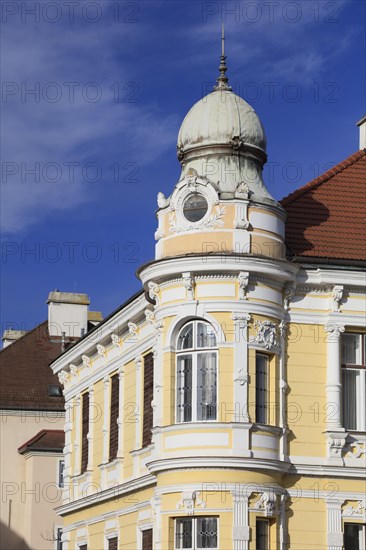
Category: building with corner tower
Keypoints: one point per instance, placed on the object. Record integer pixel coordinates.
(223, 406)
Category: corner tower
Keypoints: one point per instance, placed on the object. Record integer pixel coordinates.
(220, 204)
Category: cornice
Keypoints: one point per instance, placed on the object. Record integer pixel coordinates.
(87, 346)
(330, 277)
(221, 263)
(217, 463)
(104, 369)
(107, 494)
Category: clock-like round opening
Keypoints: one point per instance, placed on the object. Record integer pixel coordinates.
(195, 207)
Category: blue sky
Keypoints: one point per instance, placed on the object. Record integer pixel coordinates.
(85, 154)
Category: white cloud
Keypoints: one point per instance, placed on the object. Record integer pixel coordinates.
(40, 132)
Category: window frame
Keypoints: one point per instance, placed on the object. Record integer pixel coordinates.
(361, 534)
(266, 522)
(266, 406)
(113, 435)
(360, 383)
(194, 520)
(58, 538)
(193, 352)
(85, 428)
(61, 473)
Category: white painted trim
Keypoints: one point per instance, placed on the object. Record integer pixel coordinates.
(87, 345)
(97, 374)
(280, 269)
(113, 492)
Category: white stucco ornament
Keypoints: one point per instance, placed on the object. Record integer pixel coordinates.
(267, 503)
(192, 186)
(266, 334)
(86, 361)
(189, 501)
(116, 341)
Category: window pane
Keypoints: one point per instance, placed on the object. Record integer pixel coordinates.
(185, 340)
(206, 337)
(206, 532)
(351, 349)
(352, 534)
(261, 532)
(183, 533)
(206, 386)
(184, 388)
(349, 398)
(261, 389)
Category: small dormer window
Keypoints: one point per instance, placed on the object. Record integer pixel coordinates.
(54, 391)
(195, 207)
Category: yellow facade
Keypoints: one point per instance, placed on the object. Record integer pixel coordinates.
(224, 424)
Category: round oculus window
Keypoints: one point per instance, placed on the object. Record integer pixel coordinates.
(195, 207)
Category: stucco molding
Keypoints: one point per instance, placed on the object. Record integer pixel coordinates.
(189, 501)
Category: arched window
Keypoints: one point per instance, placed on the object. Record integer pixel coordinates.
(196, 372)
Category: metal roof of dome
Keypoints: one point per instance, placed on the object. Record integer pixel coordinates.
(218, 119)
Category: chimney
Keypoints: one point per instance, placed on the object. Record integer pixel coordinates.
(362, 126)
(67, 313)
(11, 336)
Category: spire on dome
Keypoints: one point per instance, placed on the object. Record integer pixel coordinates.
(222, 81)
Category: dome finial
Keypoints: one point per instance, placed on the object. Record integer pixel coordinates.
(222, 81)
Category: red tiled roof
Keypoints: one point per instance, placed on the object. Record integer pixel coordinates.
(45, 440)
(327, 217)
(25, 373)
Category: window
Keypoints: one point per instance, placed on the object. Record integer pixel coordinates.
(114, 413)
(54, 391)
(354, 536)
(353, 381)
(262, 534)
(196, 373)
(261, 388)
(61, 469)
(113, 543)
(196, 533)
(147, 539)
(195, 207)
(147, 422)
(84, 432)
(58, 539)
(83, 547)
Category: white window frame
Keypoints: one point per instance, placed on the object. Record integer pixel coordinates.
(194, 351)
(360, 385)
(194, 531)
(59, 467)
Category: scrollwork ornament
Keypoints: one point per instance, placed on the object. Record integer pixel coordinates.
(243, 279)
(188, 281)
(337, 295)
(102, 352)
(267, 503)
(117, 341)
(73, 370)
(132, 332)
(266, 334)
(334, 330)
(63, 377)
(86, 361)
(154, 290)
(289, 294)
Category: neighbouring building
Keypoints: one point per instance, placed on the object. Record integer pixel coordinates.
(223, 406)
(32, 424)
